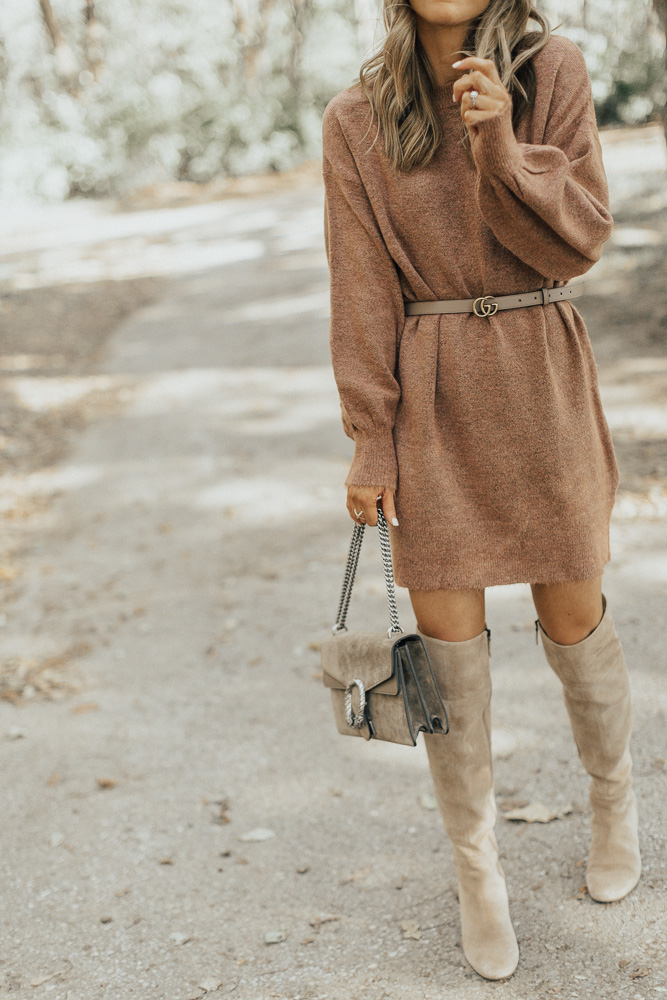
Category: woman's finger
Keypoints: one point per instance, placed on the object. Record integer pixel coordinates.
(485, 66)
(389, 508)
(477, 79)
(352, 511)
(371, 513)
(473, 117)
(482, 102)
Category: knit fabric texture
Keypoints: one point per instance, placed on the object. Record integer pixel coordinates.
(490, 430)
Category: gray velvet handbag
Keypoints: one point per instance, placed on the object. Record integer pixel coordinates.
(388, 675)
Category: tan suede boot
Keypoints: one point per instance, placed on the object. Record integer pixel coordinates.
(596, 690)
(462, 772)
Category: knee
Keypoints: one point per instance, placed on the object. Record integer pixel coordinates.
(569, 629)
(569, 613)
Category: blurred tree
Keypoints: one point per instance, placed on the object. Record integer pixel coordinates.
(660, 7)
(100, 95)
(67, 64)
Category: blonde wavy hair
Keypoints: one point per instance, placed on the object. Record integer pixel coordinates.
(398, 79)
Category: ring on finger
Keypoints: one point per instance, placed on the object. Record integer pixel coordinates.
(358, 513)
(474, 94)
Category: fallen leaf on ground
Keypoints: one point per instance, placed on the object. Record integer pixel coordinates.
(106, 920)
(106, 782)
(639, 973)
(210, 985)
(303, 869)
(259, 833)
(317, 922)
(624, 961)
(508, 804)
(218, 809)
(411, 930)
(537, 812)
(86, 706)
(40, 980)
(166, 861)
(581, 892)
(274, 937)
(178, 937)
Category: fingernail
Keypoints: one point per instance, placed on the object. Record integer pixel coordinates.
(394, 521)
(457, 63)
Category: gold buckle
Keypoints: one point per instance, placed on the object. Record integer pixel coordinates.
(488, 308)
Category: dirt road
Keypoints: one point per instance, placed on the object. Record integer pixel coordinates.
(179, 815)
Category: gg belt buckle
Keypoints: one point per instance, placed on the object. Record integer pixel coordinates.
(487, 308)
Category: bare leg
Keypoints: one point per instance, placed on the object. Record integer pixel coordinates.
(454, 615)
(569, 611)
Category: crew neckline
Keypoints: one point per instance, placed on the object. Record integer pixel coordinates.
(443, 93)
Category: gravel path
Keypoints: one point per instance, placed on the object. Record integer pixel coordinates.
(180, 816)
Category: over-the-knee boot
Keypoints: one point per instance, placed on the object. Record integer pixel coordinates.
(462, 772)
(596, 690)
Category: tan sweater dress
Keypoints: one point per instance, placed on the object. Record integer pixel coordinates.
(491, 430)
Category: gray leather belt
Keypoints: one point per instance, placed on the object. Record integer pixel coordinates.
(488, 305)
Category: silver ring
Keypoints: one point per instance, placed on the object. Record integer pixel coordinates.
(474, 95)
(357, 513)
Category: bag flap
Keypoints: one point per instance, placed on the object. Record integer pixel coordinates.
(366, 655)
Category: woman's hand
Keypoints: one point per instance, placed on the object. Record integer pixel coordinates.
(363, 500)
(492, 96)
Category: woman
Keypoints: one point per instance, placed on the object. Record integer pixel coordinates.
(477, 421)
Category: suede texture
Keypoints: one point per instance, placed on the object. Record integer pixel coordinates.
(462, 772)
(596, 690)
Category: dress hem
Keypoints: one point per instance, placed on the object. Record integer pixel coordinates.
(503, 577)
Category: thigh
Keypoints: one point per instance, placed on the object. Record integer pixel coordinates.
(454, 615)
(569, 611)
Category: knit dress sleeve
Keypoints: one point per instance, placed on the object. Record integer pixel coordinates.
(367, 313)
(548, 203)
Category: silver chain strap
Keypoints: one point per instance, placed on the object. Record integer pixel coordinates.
(351, 569)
